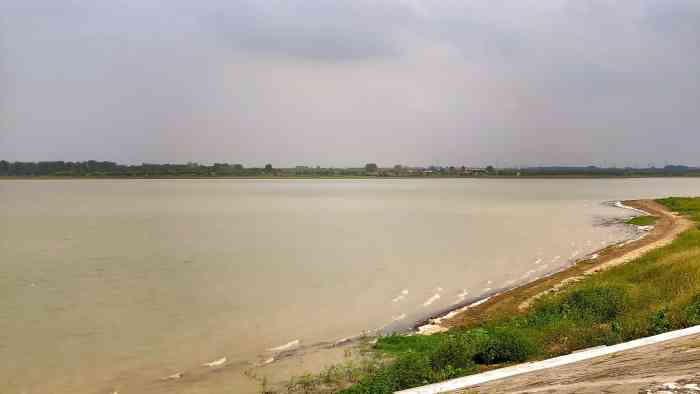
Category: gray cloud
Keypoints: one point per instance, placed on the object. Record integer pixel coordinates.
(343, 82)
(323, 30)
(676, 19)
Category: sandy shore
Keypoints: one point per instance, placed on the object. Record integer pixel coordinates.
(668, 226)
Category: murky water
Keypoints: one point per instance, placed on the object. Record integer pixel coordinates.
(110, 285)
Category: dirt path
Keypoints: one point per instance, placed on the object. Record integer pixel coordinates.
(667, 227)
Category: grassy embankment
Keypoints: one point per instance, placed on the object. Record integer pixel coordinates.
(653, 294)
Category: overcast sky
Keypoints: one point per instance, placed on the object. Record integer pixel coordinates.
(344, 82)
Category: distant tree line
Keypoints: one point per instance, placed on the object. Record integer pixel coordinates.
(669, 170)
(108, 168)
(92, 168)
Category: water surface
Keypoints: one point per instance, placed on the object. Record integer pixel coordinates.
(112, 284)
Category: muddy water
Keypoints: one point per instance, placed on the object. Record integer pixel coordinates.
(111, 285)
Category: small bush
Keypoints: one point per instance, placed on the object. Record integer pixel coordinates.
(450, 372)
(378, 383)
(454, 352)
(545, 311)
(601, 303)
(505, 345)
(597, 335)
(411, 370)
(474, 336)
(692, 311)
(658, 322)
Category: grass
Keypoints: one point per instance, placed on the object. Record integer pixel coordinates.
(687, 206)
(642, 220)
(655, 293)
(360, 362)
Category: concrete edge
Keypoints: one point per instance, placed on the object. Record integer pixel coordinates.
(474, 380)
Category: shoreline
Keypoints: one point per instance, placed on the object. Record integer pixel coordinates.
(433, 323)
(444, 319)
(471, 312)
(268, 177)
(518, 298)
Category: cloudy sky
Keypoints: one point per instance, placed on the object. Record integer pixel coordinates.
(343, 82)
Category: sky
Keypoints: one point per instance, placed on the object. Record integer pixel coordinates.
(345, 82)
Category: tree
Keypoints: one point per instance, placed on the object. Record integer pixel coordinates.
(268, 167)
(489, 168)
(371, 168)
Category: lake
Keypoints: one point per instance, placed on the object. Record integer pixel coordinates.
(111, 285)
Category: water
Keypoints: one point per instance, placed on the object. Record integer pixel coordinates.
(112, 284)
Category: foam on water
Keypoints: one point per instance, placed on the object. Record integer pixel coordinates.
(401, 296)
(215, 363)
(399, 317)
(175, 376)
(286, 346)
(461, 297)
(398, 298)
(432, 299)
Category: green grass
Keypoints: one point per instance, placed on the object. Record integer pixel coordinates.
(650, 295)
(689, 206)
(642, 220)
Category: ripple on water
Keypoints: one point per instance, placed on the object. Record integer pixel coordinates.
(432, 299)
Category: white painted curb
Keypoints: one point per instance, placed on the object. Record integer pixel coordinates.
(473, 380)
